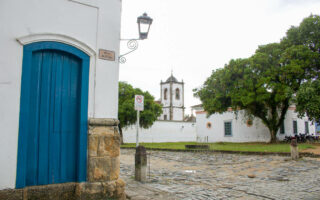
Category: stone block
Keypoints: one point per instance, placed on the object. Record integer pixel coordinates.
(109, 188)
(11, 194)
(294, 149)
(102, 148)
(103, 122)
(120, 187)
(103, 131)
(93, 142)
(101, 190)
(111, 146)
(52, 191)
(141, 164)
(99, 169)
(115, 168)
(294, 152)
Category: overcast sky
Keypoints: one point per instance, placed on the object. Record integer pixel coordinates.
(192, 38)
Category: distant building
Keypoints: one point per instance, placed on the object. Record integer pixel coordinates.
(172, 99)
(226, 127)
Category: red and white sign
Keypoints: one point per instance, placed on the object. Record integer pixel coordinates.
(138, 102)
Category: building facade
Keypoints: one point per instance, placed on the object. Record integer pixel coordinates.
(226, 127)
(172, 99)
(59, 98)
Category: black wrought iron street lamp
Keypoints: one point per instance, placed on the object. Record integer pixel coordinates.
(144, 23)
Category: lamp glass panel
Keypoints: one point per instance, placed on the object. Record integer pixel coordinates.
(144, 28)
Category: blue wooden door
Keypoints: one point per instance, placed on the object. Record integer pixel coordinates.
(52, 134)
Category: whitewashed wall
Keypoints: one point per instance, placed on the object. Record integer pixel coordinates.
(241, 132)
(165, 111)
(178, 114)
(85, 24)
(162, 131)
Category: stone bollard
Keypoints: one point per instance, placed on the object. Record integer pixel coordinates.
(294, 149)
(141, 164)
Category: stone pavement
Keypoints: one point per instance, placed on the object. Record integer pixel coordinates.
(188, 175)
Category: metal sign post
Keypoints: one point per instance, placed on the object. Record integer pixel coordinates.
(138, 106)
(137, 136)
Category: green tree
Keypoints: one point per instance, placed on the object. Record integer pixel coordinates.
(307, 36)
(308, 99)
(126, 113)
(264, 84)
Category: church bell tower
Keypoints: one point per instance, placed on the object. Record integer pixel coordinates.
(172, 99)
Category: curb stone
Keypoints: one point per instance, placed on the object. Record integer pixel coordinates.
(302, 154)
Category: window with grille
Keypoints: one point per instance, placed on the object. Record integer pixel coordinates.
(227, 129)
(295, 127)
(306, 127)
(282, 130)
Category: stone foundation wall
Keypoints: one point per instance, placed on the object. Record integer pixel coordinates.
(103, 150)
(68, 191)
(102, 171)
(103, 161)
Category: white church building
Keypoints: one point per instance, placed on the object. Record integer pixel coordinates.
(172, 99)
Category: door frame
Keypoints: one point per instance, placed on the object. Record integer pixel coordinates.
(25, 102)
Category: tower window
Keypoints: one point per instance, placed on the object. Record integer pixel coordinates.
(177, 94)
(165, 93)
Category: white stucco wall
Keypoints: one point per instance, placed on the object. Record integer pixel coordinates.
(177, 114)
(89, 25)
(258, 132)
(165, 111)
(290, 117)
(162, 131)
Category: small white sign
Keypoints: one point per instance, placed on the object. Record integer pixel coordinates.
(138, 102)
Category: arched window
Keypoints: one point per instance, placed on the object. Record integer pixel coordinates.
(165, 93)
(177, 94)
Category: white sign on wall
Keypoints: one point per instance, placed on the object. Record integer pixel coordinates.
(138, 102)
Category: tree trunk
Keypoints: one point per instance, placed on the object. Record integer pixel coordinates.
(121, 135)
(273, 135)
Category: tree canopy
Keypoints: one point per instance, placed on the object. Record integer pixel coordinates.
(308, 99)
(307, 35)
(126, 113)
(265, 84)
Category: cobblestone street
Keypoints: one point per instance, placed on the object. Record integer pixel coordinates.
(186, 175)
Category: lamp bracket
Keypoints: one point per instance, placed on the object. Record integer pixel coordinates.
(132, 45)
